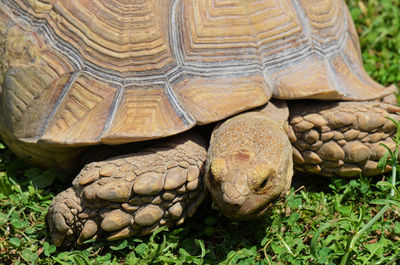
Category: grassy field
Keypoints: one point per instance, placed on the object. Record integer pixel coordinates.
(322, 221)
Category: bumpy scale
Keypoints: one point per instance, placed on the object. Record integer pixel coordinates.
(341, 138)
(132, 194)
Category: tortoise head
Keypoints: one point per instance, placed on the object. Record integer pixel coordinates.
(249, 165)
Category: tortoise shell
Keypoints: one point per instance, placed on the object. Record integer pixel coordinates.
(85, 72)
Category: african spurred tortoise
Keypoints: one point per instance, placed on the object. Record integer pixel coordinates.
(78, 74)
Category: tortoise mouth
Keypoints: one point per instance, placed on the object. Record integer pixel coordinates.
(240, 212)
(241, 202)
(246, 207)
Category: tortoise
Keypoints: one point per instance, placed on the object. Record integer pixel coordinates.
(105, 78)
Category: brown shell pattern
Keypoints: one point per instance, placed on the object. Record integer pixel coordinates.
(114, 71)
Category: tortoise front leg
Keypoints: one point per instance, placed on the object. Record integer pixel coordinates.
(340, 138)
(131, 194)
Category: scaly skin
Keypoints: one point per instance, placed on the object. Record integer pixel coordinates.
(250, 160)
(132, 194)
(341, 138)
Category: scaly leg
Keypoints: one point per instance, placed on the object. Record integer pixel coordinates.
(340, 138)
(131, 194)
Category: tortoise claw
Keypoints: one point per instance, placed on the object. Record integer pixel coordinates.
(89, 230)
(60, 223)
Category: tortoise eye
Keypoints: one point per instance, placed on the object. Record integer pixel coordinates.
(218, 169)
(260, 180)
(262, 185)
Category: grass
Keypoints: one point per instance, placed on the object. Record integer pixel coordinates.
(318, 223)
(378, 27)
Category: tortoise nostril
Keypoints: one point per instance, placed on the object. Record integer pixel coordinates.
(232, 201)
(231, 195)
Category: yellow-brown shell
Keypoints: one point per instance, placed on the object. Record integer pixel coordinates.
(83, 72)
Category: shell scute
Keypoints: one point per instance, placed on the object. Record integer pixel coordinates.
(89, 72)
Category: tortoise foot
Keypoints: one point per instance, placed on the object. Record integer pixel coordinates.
(341, 138)
(63, 217)
(131, 194)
